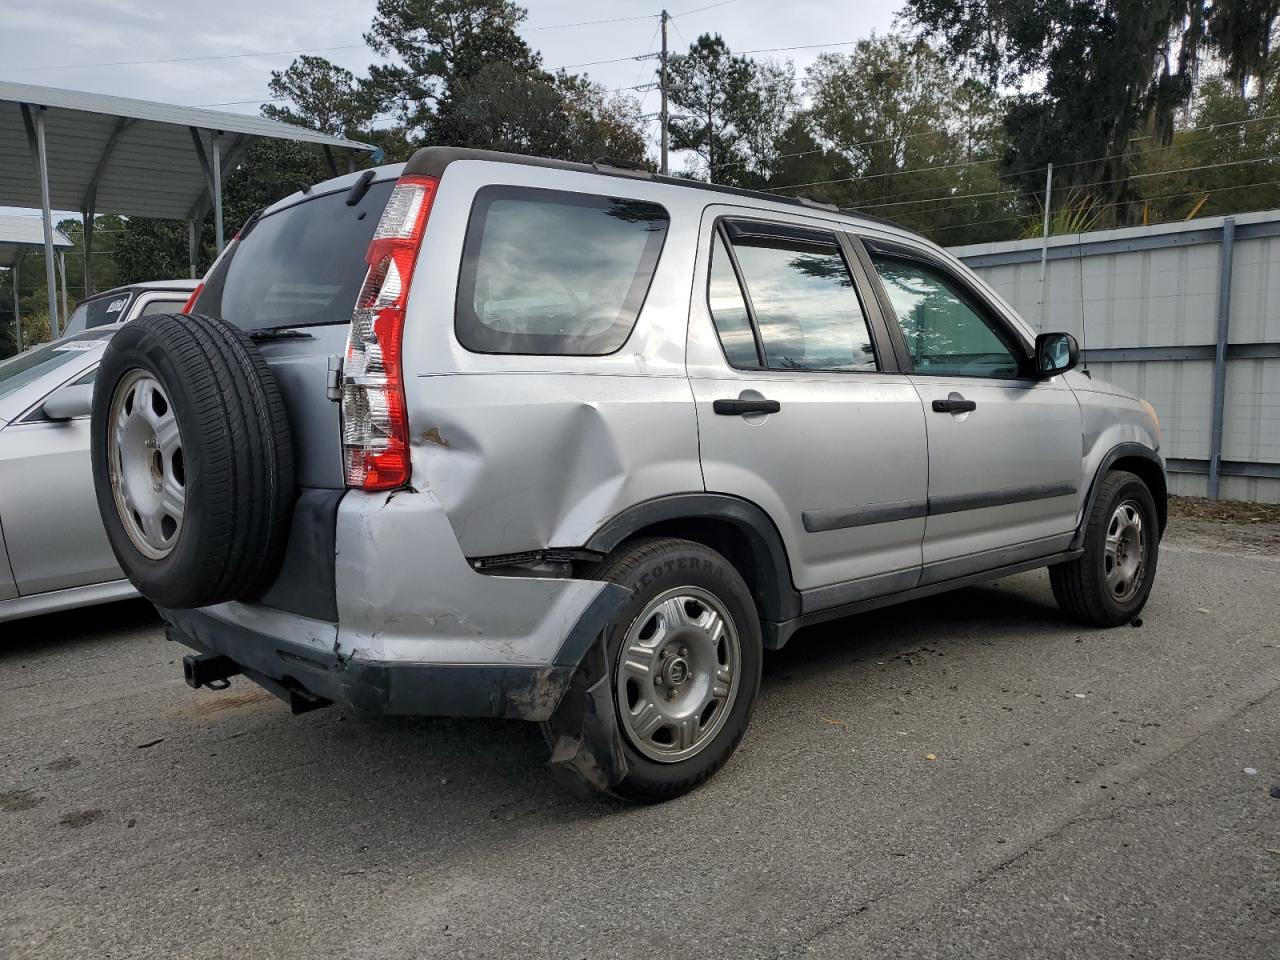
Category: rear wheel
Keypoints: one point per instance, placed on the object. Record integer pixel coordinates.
(674, 676)
(1109, 583)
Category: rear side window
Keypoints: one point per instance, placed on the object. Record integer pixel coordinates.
(299, 267)
(161, 306)
(552, 272)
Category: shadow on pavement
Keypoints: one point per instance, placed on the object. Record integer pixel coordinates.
(83, 627)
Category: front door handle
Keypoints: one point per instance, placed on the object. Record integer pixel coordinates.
(737, 408)
(954, 406)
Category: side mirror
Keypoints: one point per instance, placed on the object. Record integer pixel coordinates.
(69, 402)
(1055, 353)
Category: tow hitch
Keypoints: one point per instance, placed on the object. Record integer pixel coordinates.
(210, 670)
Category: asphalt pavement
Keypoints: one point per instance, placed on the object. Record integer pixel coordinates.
(968, 776)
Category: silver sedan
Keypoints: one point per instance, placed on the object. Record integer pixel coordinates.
(53, 549)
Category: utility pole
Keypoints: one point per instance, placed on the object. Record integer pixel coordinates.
(663, 78)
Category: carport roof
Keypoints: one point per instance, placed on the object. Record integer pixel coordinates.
(18, 233)
(129, 157)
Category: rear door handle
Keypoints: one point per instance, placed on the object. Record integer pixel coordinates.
(954, 406)
(736, 408)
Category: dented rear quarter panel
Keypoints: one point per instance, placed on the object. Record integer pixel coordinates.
(528, 452)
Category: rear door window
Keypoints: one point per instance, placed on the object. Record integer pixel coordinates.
(161, 306)
(553, 272)
(800, 294)
(298, 267)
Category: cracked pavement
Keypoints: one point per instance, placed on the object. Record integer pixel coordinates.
(1088, 798)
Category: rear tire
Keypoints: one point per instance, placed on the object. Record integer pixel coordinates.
(1109, 583)
(680, 669)
(232, 473)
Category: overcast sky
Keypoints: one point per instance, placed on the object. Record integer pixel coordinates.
(45, 42)
(97, 44)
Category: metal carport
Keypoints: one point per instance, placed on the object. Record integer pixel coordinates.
(72, 150)
(18, 234)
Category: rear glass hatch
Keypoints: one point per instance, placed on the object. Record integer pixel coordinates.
(300, 266)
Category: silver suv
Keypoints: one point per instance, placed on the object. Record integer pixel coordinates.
(487, 435)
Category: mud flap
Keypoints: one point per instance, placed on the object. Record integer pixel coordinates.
(595, 755)
(587, 749)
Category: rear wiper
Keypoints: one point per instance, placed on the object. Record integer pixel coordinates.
(279, 333)
(360, 188)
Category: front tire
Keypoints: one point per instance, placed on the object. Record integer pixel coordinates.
(676, 670)
(1109, 583)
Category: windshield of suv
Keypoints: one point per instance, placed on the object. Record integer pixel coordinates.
(299, 267)
(17, 372)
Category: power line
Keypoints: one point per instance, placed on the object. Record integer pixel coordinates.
(893, 199)
(592, 23)
(1116, 203)
(710, 6)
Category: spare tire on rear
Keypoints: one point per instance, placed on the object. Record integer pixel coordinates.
(192, 460)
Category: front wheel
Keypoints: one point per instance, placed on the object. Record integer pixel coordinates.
(1109, 583)
(671, 685)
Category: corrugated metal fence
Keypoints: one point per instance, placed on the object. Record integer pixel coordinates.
(1184, 314)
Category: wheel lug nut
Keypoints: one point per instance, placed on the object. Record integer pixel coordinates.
(684, 651)
(658, 681)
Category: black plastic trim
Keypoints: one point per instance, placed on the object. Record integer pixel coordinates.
(306, 584)
(1123, 451)
(779, 633)
(999, 498)
(944, 571)
(776, 592)
(841, 518)
(850, 591)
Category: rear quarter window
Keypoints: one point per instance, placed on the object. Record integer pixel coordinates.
(553, 272)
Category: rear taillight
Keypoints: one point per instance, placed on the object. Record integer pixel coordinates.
(191, 300)
(375, 425)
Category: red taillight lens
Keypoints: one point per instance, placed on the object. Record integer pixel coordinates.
(375, 424)
(191, 300)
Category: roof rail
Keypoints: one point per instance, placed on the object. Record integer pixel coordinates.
(432, 161)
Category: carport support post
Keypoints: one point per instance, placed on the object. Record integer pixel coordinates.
(43, 159)
(62, 266)
(193, 247)
(217, 192)
(17, 308)
(1220, 358)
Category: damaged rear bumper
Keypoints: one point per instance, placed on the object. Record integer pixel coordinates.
(373, 687)
(419, 632)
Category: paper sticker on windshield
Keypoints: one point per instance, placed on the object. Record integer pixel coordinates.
(117, 305)
(73, 345)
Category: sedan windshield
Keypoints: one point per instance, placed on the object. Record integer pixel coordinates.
(17, 372)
